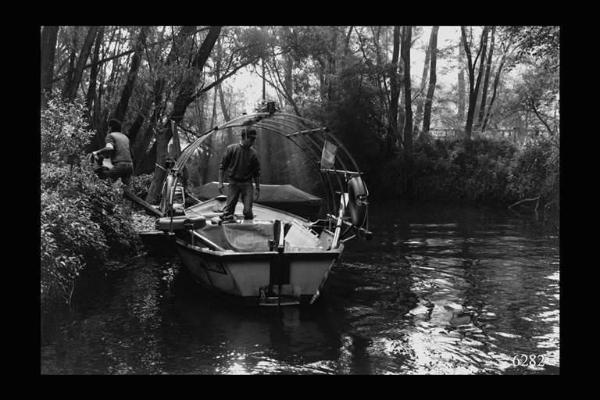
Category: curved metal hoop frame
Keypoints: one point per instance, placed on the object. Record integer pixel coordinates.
(306, 135)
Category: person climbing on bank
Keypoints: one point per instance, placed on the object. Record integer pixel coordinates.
(240, 166)
(117, 145)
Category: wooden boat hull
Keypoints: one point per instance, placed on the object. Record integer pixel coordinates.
(260, 278)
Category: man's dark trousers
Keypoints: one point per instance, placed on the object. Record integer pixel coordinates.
(235, 190)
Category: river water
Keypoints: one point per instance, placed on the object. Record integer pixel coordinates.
(439, 290)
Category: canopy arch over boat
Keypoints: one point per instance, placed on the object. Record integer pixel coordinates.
(314, 160)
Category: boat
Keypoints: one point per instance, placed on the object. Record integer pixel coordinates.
(312, 202)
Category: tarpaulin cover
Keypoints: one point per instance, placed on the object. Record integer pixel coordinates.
(240, 237)
(268, 194)
(254, 237)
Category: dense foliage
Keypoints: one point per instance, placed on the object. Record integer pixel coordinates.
(83, 219)
(474, 171)
(536, 174)
(63, 131)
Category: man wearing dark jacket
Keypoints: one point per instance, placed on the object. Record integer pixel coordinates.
(117, 144)
(241, 166)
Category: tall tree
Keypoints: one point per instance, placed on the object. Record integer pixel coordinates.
(408, 125)
(432, 80)
(219, 87)
(461, 84)
(394, 92)
(187, 93)
(145, 161)
(72, 58)
(486, 81)
(48, 50)
(506, 49)
(72, 84)
(121, 108)
(474, 81)
(91, 94)
(282, 55)
(224, 108)
(422, 94)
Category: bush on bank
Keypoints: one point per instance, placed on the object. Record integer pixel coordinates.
(473, 171)
(83, 219)
(479, 171)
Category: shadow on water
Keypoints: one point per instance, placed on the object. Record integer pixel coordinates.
(439, 290)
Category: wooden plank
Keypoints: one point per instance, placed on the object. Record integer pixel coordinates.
(142, 203)
(207, 242)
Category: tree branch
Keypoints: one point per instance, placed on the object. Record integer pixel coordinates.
(524, 201)
(221, 79)
(104, 60)
(534, 108)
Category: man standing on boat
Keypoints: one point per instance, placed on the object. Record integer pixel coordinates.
(117, 144)
(241, 166)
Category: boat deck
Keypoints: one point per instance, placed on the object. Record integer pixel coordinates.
(255, 235)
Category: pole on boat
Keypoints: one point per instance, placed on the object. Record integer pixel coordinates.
(280, 250)
(340, 219)
(279, 263)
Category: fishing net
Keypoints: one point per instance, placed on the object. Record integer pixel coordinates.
(302, 163)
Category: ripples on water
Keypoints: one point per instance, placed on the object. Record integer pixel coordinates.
(438, 291)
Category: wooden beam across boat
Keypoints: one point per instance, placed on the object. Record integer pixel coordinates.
(146, 205)
(207, 242)
(341, 171)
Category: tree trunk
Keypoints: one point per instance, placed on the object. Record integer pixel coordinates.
(219, 87)
(73, 83)
(495, 88)
(121, 109)
(72, 59)
(421, 101)
(432, 80)
(264, 81)
(474, 82)
(332, 93)
(486, 81)
(408, 126)
(461, 84)
(185, 96)
(91, 95)
(394, 93)
(288, 80)
(138, 122)
(93, 99)
(48, 51)
(99, 114)
(213, 116)
(145, 162)
(224, 109)
(200, 110)
(115, 65)
(175, 149)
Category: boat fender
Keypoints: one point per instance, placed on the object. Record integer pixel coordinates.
(357, 200)
(177, 224)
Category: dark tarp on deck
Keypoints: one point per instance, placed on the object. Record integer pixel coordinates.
(284, 197)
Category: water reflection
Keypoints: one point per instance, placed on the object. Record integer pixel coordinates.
(438, 291)
(244, 339)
